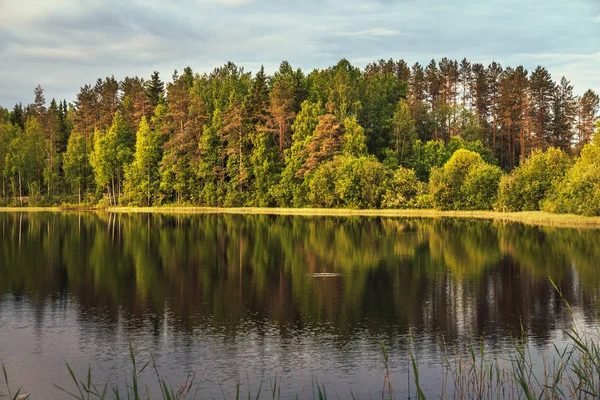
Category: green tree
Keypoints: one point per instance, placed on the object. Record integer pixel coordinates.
(426, 156)
(564, 112)
(382, 93)
(354, 140)
(8, 132)
(291, 191)
(26, 160)
(142, 178)
(111, 155)
(77, 169)
(589, 104)
(232, 134)
(154, 88)
(404, 134)
(542, 92)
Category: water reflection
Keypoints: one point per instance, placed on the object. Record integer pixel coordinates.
(240, 283)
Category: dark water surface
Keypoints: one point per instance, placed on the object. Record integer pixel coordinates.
(251, 298)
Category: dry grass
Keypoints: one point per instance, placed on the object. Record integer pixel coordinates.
(529, 217)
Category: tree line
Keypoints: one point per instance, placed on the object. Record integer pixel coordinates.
(384, 136)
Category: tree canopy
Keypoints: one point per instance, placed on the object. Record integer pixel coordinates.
(449, 134)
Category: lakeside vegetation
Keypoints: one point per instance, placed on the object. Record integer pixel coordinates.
(467, 372)
(449, 136)
(526, 217)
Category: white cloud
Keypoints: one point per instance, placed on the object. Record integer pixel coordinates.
(235, 3)
(372, 32)
(64, 44)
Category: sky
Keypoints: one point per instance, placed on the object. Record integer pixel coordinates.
(64, 44)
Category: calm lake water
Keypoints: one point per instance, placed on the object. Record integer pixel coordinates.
(254, 298)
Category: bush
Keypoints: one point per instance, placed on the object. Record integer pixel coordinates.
(528, 185)
(465, 182)
(480, 188)
(579, 191)
(403, 190)
(347, 181)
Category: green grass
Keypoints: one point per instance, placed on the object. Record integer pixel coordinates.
(527, 217)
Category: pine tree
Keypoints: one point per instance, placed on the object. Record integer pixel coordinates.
(282, 114)
(85, 118)
(38, 107)
(564, 112)
(418, 84)
(16, 116)
(480, 94)
(588, 110)
(326, 143)
(494, 74)
(432, 78)
(53, 130)
(542, 90)
(382, 93)
(290, 191)
(154, 89)
(465, 79)
(107, 94)
(135, 104)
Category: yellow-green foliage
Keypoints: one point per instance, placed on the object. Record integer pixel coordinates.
(579, 191)
(347, 181)
(527, 186)
(465, 182)
(403, 189)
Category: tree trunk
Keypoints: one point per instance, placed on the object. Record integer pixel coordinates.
(20, 189)
(148, 189)
(113, 191)
(522, 145)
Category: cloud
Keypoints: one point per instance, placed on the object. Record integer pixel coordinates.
(65, 44)
(235, 3)
(372, 32)
(596, 19)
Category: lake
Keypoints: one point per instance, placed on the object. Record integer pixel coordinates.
(257, 298)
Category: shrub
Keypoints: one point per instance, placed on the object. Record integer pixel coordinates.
(348, 181)
(528, 185)
(403, 190)
(579, 191)
(465, 182)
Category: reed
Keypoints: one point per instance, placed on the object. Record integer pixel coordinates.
(468, 372)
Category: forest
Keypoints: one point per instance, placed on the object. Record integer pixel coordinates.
(446, 135)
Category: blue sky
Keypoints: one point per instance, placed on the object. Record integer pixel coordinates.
(64, 44)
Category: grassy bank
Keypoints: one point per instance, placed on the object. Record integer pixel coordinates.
(528, 217)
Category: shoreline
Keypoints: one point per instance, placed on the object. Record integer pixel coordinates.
(526, 217)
